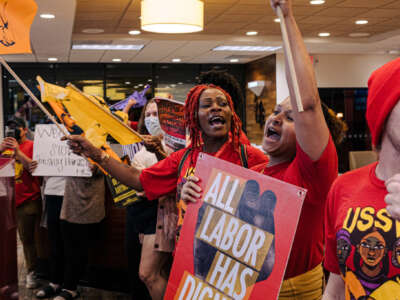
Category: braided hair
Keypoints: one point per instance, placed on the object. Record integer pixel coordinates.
(192, 121)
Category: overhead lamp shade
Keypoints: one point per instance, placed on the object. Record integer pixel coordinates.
(172, 16)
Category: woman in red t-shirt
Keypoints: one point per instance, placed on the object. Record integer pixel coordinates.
(214, 128)
(301, 152)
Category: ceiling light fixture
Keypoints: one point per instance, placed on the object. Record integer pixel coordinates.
(359, 34)
(277, 20)
(134, 32)
(93, 30)
(317, 2)
(52, 59)
(339, 115)
(172, 16)
(127, 82)
(251, 33)
(47, 16)
(234, 60)
(324, 34)
(176, 60)
(394, 51)
(106, 47)
(361, 22)
(116, 60)
(246, 48)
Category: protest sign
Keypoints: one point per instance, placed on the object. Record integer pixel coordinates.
(54, 156)
(172, 121)
(236, 241)
(122, 195)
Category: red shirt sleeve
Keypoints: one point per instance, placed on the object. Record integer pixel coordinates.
(318, 176)
(331, 261)
(161, 178)
(255, 156)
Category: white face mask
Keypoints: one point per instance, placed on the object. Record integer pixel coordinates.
(153, 125)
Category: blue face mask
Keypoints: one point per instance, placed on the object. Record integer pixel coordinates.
(153, 125)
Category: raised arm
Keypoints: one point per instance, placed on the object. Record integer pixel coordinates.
(128, 175)
(312, 132)
(334, 289)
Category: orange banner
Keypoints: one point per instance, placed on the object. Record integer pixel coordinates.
(16, 17)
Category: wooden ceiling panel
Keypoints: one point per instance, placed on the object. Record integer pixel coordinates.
(101, 5)
(238, 18)
(382, 13)
(342, 12)
(98, 16)
(321, 20)
(364, 3)
(394, 4)
(253, 9)
(307, 10)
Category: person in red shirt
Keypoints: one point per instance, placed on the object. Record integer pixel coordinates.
(214, 128)
(27, 193)
(363, 209)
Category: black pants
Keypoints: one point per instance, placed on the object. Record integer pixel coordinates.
(53, 207)
(77, 240)
(133, 249)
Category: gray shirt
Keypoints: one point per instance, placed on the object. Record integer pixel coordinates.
(84, 199)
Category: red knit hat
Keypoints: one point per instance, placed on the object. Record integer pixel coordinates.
(383, 95)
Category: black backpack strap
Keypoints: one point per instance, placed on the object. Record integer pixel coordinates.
(243, 156)
(183, 159)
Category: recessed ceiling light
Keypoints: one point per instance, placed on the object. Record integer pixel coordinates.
(149, 80)
(324, 34)
(134, 32)
(394, 51)
(339, 115)
(106, 47)
(317, 2)
(47, 16)
(116, 59)
(277, 20)
(180, 82)
(251, 33)
(127, 82)
(173, 85)
(234, 60)
(176, 60)
(52, 59)
(361, 22)
(246, 48)
(359, 34)
(93, 30)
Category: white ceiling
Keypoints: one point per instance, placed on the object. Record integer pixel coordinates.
(54, 37)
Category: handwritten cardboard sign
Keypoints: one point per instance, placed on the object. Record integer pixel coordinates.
(54, 156)
(236, 241)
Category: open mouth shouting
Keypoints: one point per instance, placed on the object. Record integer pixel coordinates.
(272, 134)
(217, 122)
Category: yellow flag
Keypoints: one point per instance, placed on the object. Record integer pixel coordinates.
(50, 92)
(80, 106)
(16, 17)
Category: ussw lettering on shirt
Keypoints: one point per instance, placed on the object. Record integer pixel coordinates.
(235, 242)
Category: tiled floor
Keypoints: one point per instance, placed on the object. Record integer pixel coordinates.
(86, 292)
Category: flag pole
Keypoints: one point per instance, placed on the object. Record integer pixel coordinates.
(37, 101)
(290, 61)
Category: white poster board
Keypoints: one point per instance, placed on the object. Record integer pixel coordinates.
(54, 156)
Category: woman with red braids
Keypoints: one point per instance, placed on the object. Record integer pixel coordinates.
(214, 128)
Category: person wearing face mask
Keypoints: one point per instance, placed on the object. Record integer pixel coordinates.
(151, 219)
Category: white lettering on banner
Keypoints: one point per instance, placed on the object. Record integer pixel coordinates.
(217, 194)
(194, 288)
(54, 156)
(230, 276)
(239, 239)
